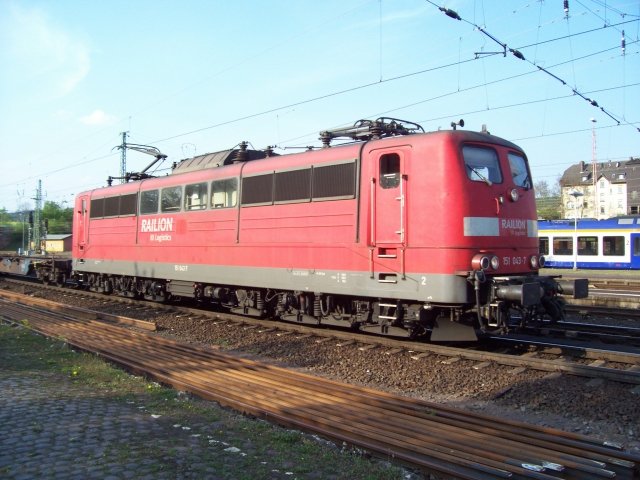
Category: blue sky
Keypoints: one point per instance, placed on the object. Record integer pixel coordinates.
(201, 76)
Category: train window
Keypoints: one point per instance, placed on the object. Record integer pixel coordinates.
(587, 245)
(111, 206)
(563, 245)
(97, 208)
(334, 181)
(613, 246)
(195, 196)
(257, 190)
(519, 170)
(149, 202)
(544, 245)
(293, 186)
(224, 193)
(636, 246)
(482, 164)
(170, 199)
(390, 170)
(128, 204)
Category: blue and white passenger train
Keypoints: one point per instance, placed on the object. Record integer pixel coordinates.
(612, 244)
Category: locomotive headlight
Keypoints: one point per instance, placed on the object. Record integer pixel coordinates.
(534, 262)
(480, 262)
(514, 195)
(495, 262)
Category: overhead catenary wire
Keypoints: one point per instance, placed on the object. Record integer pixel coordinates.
(516, 53)
(371, 84)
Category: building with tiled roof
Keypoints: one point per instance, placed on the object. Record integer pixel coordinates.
(601, 190)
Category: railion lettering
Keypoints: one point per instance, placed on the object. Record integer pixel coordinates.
(155, 225)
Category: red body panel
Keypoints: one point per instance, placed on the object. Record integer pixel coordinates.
(417, 227)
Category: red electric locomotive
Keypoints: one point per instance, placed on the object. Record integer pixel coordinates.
(400, 232)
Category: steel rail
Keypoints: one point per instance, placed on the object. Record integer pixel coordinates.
(631, 376)
(410, 428)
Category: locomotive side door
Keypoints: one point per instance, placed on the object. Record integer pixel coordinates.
(389, 225)
(388, 228)
(80, 223)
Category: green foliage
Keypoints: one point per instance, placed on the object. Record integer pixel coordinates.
(548, 200)
(14, 227)
(549, 208)
(59, 219)
(5, 217)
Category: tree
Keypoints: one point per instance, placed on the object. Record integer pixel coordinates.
(548, 200)
(5, 217)
(58, 218)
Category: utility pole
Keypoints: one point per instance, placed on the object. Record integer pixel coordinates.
(37, 227)
(594, 162)
(123, 158)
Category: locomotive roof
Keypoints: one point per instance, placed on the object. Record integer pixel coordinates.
(242, 154)
(227, 157)
(215, 159)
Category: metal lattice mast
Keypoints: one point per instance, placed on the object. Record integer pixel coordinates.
(37, 214)
(594, 163)
(123, 158)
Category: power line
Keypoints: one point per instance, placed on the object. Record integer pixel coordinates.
(516, 53)
(520, 104)
(382, 81)
(399, 77)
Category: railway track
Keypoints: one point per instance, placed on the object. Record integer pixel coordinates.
(434, 438)
(616, 284)
(600, 333)
(520, 352)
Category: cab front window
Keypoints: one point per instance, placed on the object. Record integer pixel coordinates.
(482, 164)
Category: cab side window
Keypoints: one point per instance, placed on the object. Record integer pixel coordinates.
(390, 170)
(519, 170)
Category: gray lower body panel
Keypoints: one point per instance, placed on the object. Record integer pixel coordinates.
(419, 287)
